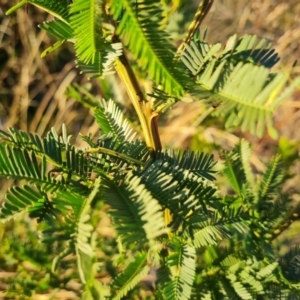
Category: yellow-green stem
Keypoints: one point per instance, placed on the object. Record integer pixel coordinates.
(147, 120)
(114, 154)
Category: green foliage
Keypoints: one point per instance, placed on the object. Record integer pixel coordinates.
(170, 217)
(182, 261)
(238, 77)
(131, 276)
(150, 45)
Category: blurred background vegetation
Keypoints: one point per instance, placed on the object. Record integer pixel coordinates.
(34, 97)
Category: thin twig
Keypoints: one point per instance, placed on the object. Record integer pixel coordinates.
(200, 14)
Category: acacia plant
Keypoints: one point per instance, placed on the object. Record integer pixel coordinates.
(168, 212)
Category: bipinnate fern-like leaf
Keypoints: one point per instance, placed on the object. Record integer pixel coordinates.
(139, 27)
(75, 228)
(246, 277)
(83, 233)
(238, 168)
(248, 92)
(86, 22)
(102, 65)
(61, 30)
(250, 95)
(51, 164)
(80, 23)
(20, 200)
(240, 175)
(23, 165)
(200, 163)
(197, 54)
(267, 271)
(19, 164)
(56, 150)
(183, 192)
(58, 8)
(244, 150)
(92, 287)
(260, 195)
(234, 171)
(213, 228)
(58, 29)
(271, 180)
(248, 49)
(137, 215)
(245, 50)
(23, 199)
(43, 210)
(130, 276)
(182, 261)
(112, 121)
(95, 55)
